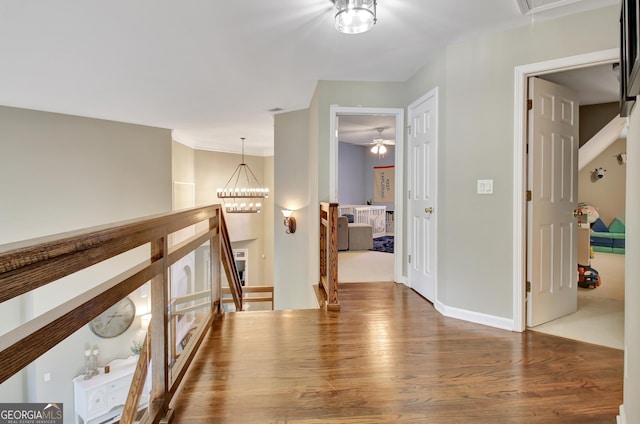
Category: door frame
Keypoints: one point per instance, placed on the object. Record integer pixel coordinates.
(521, 75)
(398, 214)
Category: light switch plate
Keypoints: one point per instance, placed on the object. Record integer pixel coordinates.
(485, 186)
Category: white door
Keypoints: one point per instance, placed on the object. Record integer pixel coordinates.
(423, 118)
(553, 182)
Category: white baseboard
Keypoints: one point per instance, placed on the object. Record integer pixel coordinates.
(476, 317)
(622, 418)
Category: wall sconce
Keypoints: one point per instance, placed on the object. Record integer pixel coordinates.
(289, 221)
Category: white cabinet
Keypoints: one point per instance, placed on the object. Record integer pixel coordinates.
(101, 398)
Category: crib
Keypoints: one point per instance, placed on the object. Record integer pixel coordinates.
(367, 214)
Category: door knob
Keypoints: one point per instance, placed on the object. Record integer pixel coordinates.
(428, 210)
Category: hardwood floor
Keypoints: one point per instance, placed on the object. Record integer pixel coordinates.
(389, 357)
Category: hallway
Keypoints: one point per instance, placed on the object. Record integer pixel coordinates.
(386, 357)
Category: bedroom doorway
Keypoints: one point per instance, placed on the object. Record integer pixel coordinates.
(553, 71)
(366, 150)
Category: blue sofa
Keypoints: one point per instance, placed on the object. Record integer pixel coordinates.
(609, 239)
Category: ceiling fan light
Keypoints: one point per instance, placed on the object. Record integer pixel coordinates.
(378, 149)
(355, 16)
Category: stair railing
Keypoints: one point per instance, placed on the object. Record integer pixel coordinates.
(328, 284)
(28, 265)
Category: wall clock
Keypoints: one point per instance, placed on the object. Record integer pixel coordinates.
(115, 320)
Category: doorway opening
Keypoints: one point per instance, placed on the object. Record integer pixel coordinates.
(367, 183)
(554, 71)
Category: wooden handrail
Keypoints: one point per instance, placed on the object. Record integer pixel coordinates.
(229, 265)
(252, 289)
(28, 265)
(130, 409)
(328, 284)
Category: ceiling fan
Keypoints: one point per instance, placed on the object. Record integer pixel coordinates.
(379, 143)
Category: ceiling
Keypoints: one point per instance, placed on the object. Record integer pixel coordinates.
(594, 84)
(362, 129)
(212, 70)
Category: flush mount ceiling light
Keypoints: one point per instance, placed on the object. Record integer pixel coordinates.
(355, 16)
(238, 198)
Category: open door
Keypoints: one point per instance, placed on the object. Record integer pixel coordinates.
(553, 183)
(423, 174)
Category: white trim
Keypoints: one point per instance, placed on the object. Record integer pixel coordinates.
(475, 317)
(519, 162)
(399, 169)
(601, 140)
(622, 417)
(432, 93)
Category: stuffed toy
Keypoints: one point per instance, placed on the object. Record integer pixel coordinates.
(592, 215)
(590, 211)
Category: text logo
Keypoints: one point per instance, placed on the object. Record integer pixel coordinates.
(31, 413)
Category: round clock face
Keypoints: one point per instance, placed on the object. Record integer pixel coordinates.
(115, 320)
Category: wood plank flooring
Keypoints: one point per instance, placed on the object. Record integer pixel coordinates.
(389, 357)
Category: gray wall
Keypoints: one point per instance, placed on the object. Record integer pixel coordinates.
(59, 173)
(594, 117)
(476, 142)
(355, 173)
(476, 132)
(476, 88)
(291, 177)
(632, 269)
(351, 174)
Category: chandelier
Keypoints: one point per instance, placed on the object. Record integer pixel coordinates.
(355, 16)
(239, 198)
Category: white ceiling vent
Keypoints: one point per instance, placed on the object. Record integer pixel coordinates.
(528, 7)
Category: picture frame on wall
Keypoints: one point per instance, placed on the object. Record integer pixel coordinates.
(626, 101)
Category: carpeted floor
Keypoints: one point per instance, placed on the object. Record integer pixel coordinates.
(364, 266)
(600, 315)
(383, 244)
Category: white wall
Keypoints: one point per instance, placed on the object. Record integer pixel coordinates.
(59, 173)
(632, 270)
